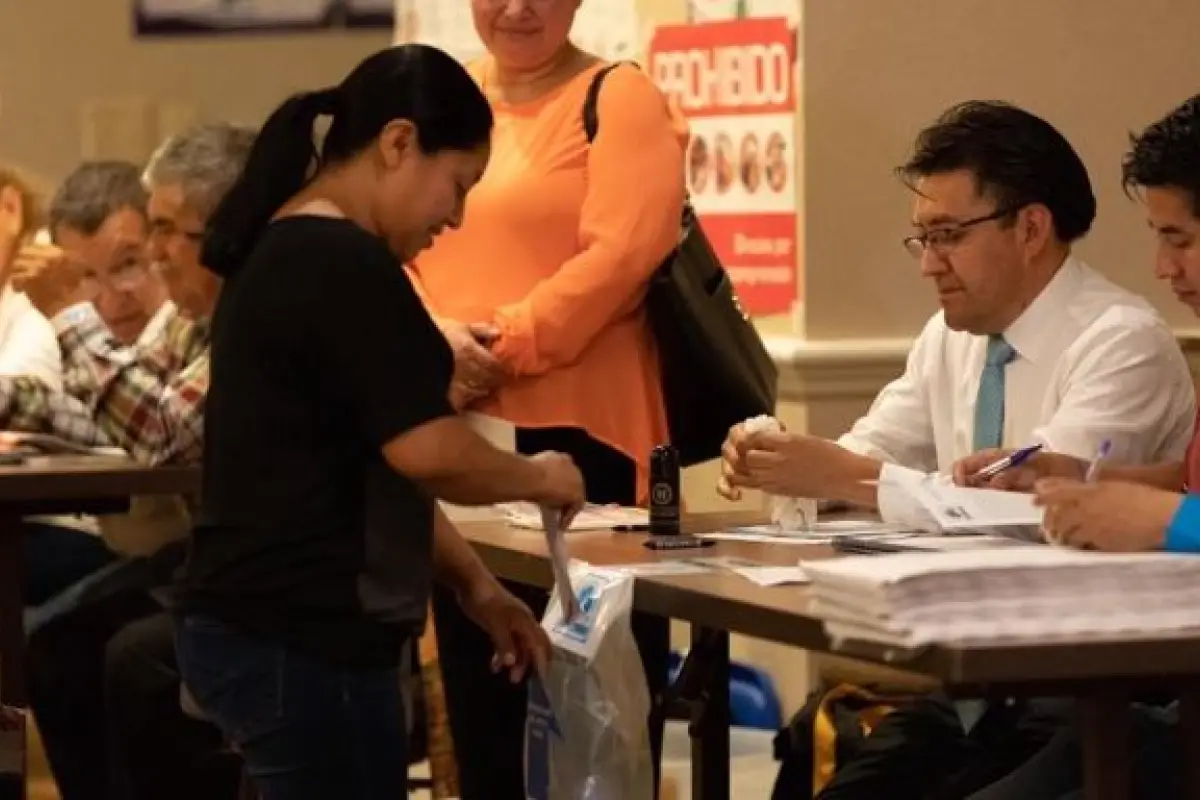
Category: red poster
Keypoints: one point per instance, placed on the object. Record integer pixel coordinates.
(735, 81)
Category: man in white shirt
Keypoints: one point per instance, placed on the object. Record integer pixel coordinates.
(1031, 345)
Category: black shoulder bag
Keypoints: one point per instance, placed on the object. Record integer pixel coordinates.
(715, 370)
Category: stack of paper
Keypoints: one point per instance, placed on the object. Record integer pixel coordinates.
(1022, 593)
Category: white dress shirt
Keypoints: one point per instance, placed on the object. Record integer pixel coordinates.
(28, 345)
(1094, 362)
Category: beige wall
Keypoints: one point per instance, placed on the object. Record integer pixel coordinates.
(877, 70)
(57, 57)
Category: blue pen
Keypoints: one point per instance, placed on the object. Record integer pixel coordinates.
(1093, 470)
(1014, 459)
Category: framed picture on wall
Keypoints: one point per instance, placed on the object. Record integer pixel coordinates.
(155, 17)
(370, 13)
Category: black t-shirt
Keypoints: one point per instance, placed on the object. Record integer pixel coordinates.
(321, 353)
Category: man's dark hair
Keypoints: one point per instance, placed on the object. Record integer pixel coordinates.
(1167, 154)
(95, 191)
(1017, 159)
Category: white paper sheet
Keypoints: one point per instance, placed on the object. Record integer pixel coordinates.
(773, 576)
(591, 518)
(666, 568)
(560, 562)
(963, 508)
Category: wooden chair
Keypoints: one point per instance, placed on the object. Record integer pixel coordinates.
(443, 768)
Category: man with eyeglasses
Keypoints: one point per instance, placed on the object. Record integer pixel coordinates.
(101, 667)
(98, 223)
(1031, 345)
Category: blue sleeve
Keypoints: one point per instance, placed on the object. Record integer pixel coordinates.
(1183, 534)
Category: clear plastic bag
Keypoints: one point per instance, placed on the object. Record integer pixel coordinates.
(586, 735)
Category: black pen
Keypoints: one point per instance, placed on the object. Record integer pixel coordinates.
(636, 528)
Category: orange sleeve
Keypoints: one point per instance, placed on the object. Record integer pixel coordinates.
(628, 224)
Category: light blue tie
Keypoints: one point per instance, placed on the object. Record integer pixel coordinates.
(989, 404)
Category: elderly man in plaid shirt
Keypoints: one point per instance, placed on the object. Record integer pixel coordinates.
(102, 674)
(145, 400)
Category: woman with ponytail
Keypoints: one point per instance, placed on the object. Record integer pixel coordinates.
(330, 434)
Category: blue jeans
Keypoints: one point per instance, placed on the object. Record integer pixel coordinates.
(305, 728)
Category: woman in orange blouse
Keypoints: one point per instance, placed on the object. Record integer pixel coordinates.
(540, 292)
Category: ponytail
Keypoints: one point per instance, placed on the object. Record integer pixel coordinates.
(279, 165)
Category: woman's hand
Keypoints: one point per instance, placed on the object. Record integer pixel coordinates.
(519, 639)
(1113, 516)
(477, 373)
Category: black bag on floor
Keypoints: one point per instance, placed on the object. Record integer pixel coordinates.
(849, 743)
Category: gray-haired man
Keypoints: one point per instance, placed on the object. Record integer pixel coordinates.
(102, 676)
(98, 219)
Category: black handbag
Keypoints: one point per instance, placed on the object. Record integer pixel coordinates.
(715, 370)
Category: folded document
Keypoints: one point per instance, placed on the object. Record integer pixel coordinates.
(932, 502)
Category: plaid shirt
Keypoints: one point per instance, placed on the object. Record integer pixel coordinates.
(149, 400)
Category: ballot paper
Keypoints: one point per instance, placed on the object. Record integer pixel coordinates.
(591, 518)
(560, 562)
(1027, 593)
(964, 508)
(665, 569)
(932, 503)
(773, 576)
(823, 532)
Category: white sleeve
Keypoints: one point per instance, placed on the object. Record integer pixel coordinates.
(1128, 383)
(31, 348)
(898, 428)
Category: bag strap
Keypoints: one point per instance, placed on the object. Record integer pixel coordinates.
(591, 125)
(591, 117)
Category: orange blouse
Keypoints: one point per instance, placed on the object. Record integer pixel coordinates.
(558, 241)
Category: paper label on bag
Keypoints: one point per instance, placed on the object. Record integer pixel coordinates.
(575, 634)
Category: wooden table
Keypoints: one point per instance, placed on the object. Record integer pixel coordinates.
(1102, 675)
(61, 485)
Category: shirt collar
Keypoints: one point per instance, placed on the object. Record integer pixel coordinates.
(1029, 333)
(157, 323)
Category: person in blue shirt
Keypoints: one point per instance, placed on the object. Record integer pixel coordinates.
(1125, 509)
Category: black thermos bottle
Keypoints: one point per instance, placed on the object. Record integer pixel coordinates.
(664, 490)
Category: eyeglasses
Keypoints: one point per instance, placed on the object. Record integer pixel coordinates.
(124, 277)
(945, 238)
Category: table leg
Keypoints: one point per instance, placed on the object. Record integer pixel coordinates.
(710, 732)
(1107, 772)
(12, 608)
